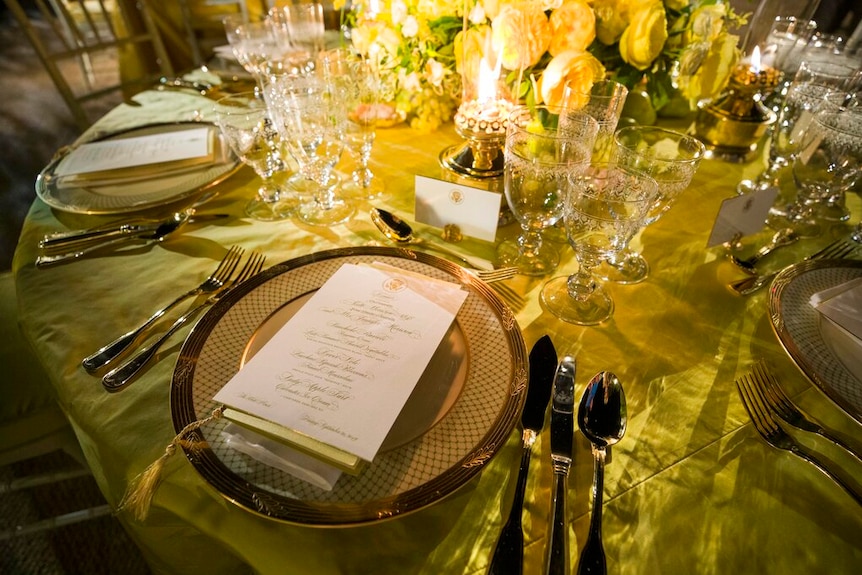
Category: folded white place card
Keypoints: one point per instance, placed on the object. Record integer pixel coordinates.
(439, 203)
(742, 216)
(340, 371)
(178, 147)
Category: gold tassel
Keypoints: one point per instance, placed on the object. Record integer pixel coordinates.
(140, 492)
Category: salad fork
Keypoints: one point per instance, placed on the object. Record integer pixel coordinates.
(774, 434)
(499, 274)
(212, 283)
(836, 250)
(121, 376)
(780, 404)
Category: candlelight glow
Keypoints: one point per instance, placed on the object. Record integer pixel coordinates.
(755, 60)
(487, 84)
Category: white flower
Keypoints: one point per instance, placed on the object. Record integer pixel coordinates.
(477, 15)
(410, 27)
(398, 11)
(409, 82)
(435, 71)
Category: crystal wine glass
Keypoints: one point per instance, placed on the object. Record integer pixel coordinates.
(604, 102)
(671, 158)
(543, 146)
(829, 160)
(310, 116)
(605, 206)
(245, 123)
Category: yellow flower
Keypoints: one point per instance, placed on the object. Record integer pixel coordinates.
(521, 34)
(643, 40)
(575, 66)
(718, 61)
(676, 4)
(706, 23)
(573, 27)
(470, 47)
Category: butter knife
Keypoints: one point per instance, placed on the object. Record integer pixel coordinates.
(508, 557)
(562, 438)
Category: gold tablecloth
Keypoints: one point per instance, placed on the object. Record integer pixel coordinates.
(690, 489)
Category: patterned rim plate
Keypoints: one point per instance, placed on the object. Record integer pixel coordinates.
(817, 346)
(148, 193)
(461, 412)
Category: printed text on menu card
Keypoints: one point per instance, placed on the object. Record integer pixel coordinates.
(343, 367)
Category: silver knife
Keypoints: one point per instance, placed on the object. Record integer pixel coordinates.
(562, 438)
(126, 230)
(508, 557)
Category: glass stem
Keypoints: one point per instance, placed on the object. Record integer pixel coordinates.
(530, 242)
(581, 284)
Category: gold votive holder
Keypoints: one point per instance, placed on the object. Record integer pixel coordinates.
(478, 161)
(733, 125)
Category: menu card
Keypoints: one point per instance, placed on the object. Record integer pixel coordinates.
(124, 157)
(334, 378)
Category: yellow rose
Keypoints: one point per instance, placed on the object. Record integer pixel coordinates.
(714, 70)
(677, 5)
(643, 40)
(521, 34)
(706, 23)
(573, 27)
(469, 49)
(378, 42)
(575, 66)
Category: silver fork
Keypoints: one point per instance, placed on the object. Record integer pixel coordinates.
(118, 378)
(780, 404)
(774, 434)
(836, 250)
(212, 283)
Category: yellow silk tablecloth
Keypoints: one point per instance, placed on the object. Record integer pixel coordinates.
(691, 488)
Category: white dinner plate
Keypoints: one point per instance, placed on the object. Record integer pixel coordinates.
(146, 193)
(460, 414)
(823, 351)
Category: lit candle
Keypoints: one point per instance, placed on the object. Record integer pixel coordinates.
(487, 113)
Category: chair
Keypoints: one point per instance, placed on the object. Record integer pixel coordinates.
(31, 422)
(79, 43)
(202, 20)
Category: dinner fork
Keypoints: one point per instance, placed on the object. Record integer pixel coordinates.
(212, 283)
(774, 434)
(838, 249)
(490, 276)
(780, 404)
(122, 375)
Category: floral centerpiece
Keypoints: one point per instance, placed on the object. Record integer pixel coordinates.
(677, 48)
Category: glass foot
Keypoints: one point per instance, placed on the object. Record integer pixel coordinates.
(555, 298)
(332, 213)
(538, 263)
(351, 190)
(270, 211)
(628, 268)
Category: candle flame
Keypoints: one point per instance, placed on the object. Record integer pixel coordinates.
(755, 60)
(487, 88)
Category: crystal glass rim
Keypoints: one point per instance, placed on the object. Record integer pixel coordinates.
(693, 147)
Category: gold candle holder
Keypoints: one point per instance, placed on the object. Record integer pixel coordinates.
(732, 126)
(479, 159)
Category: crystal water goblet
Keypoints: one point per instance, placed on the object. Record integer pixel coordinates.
(605, 206)
(543, 146)
(245, 122)
(782, 50)
(310, 117)
(604, 102)
(671, 158)
(829, 161)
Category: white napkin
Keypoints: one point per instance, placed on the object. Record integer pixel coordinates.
(843, 305)
(281, 457)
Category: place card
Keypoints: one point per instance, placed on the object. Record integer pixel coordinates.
(742, 216)
(337, 374)
(177, 148)
(843, 305)
(474, 211)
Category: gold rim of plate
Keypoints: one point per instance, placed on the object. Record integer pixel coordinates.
(415, 471)
(811, 340)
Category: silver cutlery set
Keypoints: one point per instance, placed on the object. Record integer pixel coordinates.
(838, 249)
(601, 418)
(772, 412)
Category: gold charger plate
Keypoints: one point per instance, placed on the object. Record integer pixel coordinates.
(460, 414)
(139, 195)
(817, 346)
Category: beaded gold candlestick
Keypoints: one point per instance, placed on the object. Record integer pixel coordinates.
(732, 126)
(479, 159)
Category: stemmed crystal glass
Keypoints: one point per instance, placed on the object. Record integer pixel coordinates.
(543, 146)
(310, 116)
(671, 158)
(255, 44)
(605, 206)
(245, 122)
(829, 161)
(783, 49)
(604, 102)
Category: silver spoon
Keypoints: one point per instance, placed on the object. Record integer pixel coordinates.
(602, 420)
(783, 237)
(400, 232)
